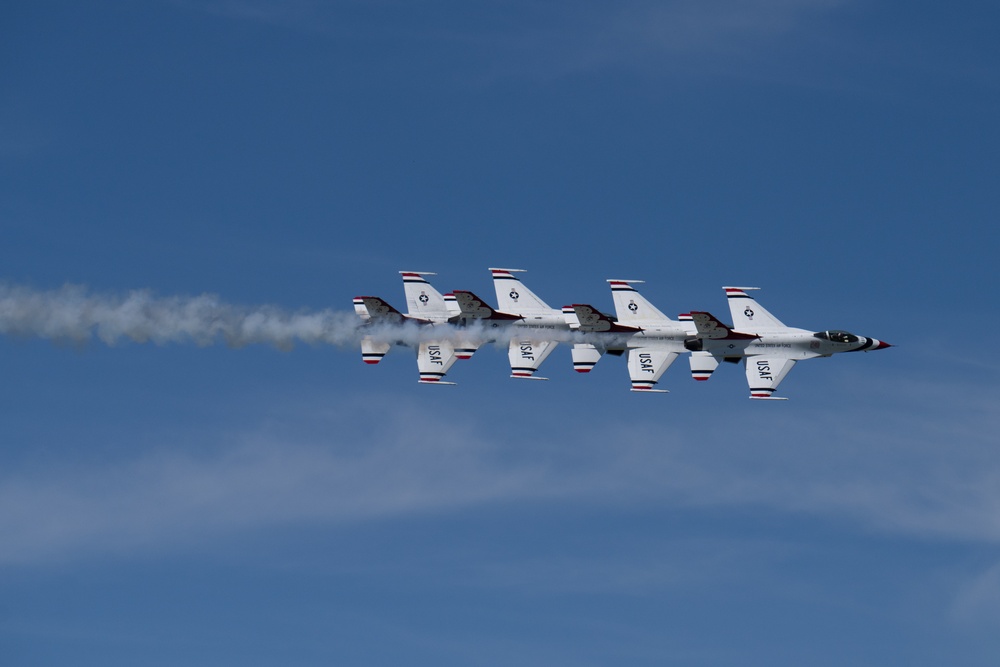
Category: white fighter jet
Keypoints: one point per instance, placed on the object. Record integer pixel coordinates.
(533, 320)
(658, 341)
(425, 306)
(768, 348)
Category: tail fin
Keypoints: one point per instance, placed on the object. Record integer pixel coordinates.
(452, 305)
(422, 300)
(687, 323)
(630, 306)
(359, 308)
(513, 296)
(747, 313)
(571, 319)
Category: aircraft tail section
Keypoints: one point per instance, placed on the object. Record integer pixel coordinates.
(585, 357)
(360, 310)
(513, 296)
(630, 306)
(378, 310)
(592, 320)
(703, 364)
(687, 323)
(748, 315)
(709, 327)
(464, 349)
(474, 308)
(372, 351)
(422, 300)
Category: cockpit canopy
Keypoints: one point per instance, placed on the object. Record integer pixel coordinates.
(836, 336)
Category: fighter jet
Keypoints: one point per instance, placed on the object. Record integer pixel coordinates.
(768, 348)
(425, 306)
(534, 322)
(658, 341)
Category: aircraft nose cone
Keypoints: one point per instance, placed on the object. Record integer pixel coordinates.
(882, 345)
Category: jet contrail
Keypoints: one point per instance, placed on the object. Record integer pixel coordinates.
(75, 314)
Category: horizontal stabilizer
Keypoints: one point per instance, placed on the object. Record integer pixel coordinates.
(708, 326)
(378, 310)
(585, 357)
(474, 308)
(372, 351)
(594, 321)
(703, 364)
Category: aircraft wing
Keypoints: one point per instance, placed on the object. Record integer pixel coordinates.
(646, 365)
(434, 358)
(765, 373)
(527, 355)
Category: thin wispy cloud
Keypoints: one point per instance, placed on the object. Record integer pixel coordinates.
(555, 39)
(880, 469)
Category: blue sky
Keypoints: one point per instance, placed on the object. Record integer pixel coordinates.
(204, 505)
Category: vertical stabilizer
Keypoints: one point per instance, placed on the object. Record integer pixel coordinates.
(422, 300)
(630, 306)
(514, 297)
(748, 315)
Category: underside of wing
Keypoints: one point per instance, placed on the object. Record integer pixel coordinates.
(434, 358)
(765, 373)
(646, 365)
(527, 355)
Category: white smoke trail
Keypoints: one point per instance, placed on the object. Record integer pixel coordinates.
(73, 313)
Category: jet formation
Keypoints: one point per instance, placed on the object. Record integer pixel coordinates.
(452, 326)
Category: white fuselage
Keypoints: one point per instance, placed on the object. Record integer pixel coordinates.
(789, 343)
